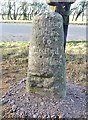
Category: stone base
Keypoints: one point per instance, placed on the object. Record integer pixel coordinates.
(46, 86)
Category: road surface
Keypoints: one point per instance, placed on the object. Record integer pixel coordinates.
(22, 32)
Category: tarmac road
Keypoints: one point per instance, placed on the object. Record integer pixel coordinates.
(22, 32)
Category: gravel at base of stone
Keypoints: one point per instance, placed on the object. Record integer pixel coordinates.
(23, 104)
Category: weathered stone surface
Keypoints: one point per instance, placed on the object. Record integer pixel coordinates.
(46, 71)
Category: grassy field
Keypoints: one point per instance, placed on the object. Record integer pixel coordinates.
(15, 62)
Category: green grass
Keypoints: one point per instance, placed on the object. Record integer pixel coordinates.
(20, 49)
(77, 47)
(14, 49)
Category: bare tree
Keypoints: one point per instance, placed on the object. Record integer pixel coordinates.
(6, 10)
(23, 10)
(3, 10)
(16, 10)
(9, 10)
(79, 7)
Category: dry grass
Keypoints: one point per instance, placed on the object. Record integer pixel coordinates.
(77, 62)
(15, 62)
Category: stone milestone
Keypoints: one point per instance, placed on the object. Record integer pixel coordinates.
(46, 64)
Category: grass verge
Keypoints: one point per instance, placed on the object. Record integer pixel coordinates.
(15, 62)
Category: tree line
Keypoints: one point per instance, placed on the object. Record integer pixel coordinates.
(13, 10)
(23, 10)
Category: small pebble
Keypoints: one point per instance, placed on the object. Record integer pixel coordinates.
(9, 94)
(14, 107)
(24, 95)
(72, 100)
(42, 103)
(12, 115)
(21, 114)
(17, 113)
(21, 109)
(3, 101)
(37, 113)
(83, 91)
(60, 116)
(11, 87)
(39, 116)
(12, 102)
(3, 96)
(24, 79)
(44, 116)
(17, 92)
(28, 98)
(36, 105)
(19, 82)
(34, 116)
(52, 116)
(48, 116)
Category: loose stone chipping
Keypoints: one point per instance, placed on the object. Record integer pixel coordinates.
(46, 71)
(32, 105)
